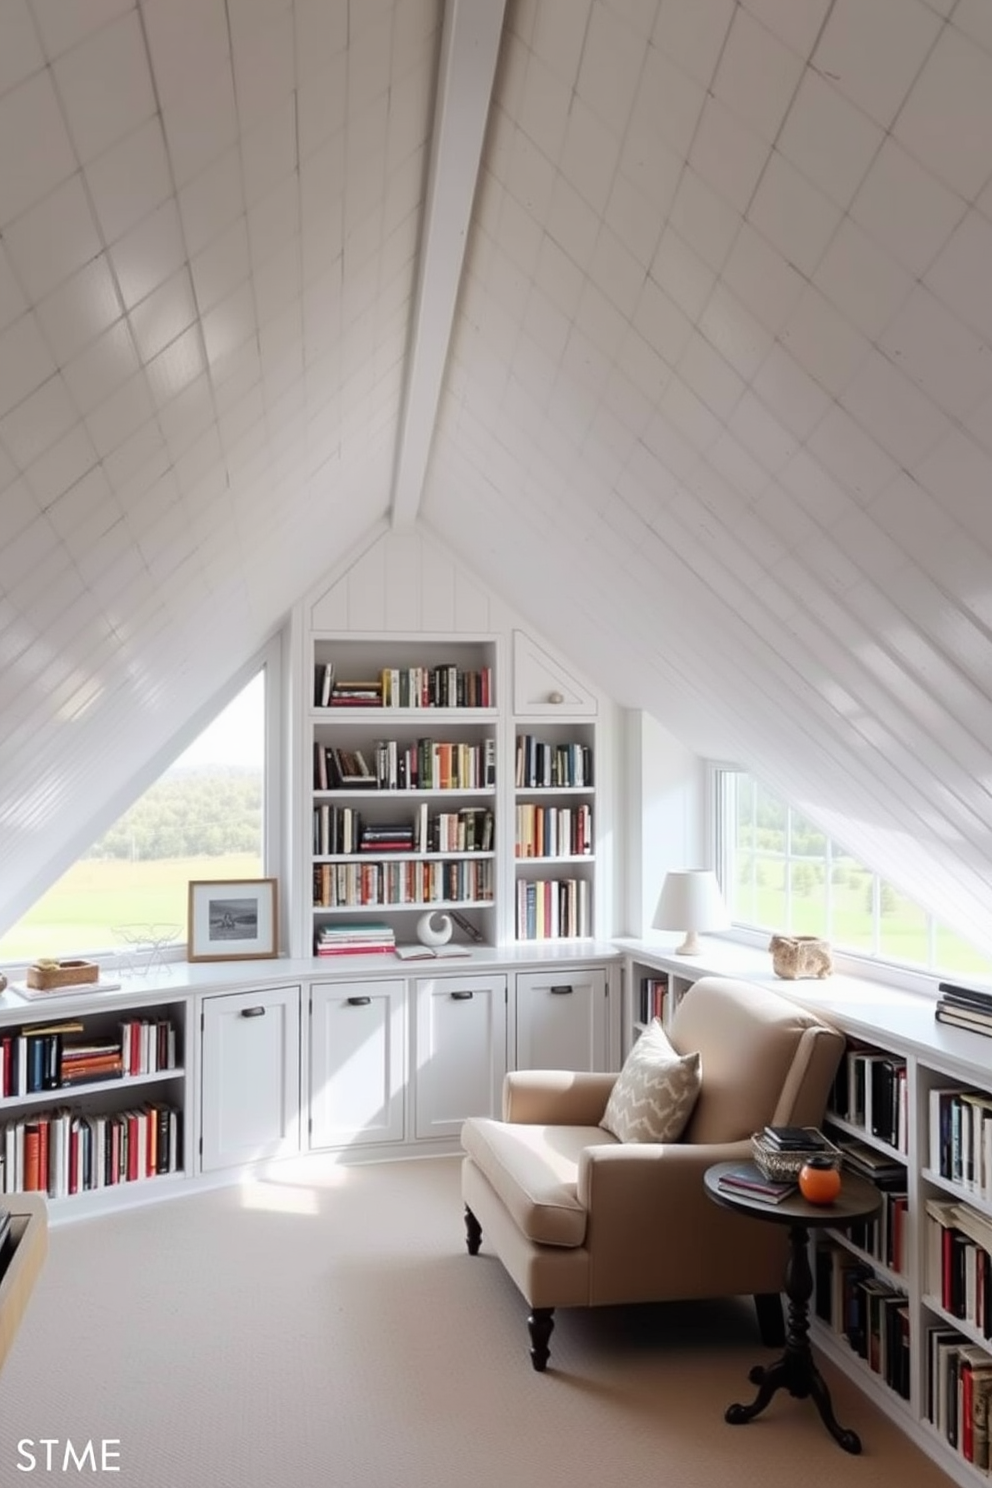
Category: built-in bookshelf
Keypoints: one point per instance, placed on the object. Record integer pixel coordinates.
(862, 1272)
(554, 830)
(92, 1101)
(405, 772)
(429, 792)
(902, 1304)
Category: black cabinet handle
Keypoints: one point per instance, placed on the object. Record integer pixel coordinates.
(461, 996)
(359, 1001)
(561, 991)
(255, 1012)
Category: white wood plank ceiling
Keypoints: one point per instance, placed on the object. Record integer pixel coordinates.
(715, 410)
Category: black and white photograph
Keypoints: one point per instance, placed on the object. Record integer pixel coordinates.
(232, 921)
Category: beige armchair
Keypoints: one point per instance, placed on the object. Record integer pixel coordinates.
(580, 1219)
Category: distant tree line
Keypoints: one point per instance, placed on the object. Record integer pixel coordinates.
(206, 812)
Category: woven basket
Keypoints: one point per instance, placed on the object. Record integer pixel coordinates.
(64, 974)
(782, 1166)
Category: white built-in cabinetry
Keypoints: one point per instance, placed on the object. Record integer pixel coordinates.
(354, 1056)
(562, 1021)
(357, 1062)
(460, 1050)
(249, 1097)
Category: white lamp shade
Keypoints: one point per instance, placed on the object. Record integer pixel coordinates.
(691, 901)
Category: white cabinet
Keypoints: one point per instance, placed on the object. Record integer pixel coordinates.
(250, 1077)
(459, 1051)
(562, 1020)
(357, 1062)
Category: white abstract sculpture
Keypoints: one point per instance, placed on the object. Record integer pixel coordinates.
(434, 929)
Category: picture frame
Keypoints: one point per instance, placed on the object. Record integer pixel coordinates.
(233, 919)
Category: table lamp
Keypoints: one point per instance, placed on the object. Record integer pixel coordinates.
(690, 901)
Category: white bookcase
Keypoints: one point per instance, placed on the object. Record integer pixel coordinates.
(460, 777)
(91, 1137)
(404, 803)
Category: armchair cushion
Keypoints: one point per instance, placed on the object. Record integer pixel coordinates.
(656, 1091)
(533, 1169)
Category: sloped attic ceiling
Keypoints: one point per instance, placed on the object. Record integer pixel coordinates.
(715, 413)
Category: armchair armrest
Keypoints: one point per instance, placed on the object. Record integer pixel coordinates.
(653, 1231)
(607, 1174)
(556, 1097)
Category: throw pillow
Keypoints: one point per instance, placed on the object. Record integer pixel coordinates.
(655, 1091)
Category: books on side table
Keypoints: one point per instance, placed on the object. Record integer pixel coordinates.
(749, 1181)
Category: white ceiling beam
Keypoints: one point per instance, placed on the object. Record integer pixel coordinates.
(469, 51)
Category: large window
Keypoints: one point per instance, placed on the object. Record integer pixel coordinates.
(781, 873)
(202, 819)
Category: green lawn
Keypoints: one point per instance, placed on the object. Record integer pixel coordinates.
(903, 928)
(82, 911)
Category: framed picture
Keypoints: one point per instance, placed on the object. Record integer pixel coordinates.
(233, 919)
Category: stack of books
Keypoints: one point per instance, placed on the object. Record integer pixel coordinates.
(965, 1007)
(748, 1181)
(796, 1139)
(364, 939)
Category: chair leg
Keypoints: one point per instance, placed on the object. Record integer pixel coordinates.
(540, 1323)
(473, 1232)
(771, 1322)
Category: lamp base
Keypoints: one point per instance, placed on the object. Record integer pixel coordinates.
(690, 946)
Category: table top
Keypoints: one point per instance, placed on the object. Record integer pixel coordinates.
(858, 1199)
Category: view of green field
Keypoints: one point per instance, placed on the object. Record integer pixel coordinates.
(903, 926)
(89, 905)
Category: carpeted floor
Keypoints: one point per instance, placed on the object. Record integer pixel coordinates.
(325, 1328)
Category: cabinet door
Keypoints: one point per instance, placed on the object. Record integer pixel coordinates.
(562, 1020)
(460, 1054)
(357, 1064)
(250, 1077)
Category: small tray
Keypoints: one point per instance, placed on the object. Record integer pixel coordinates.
(780, 1165)
(64, 974)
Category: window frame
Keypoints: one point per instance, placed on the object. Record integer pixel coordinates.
(873, 966)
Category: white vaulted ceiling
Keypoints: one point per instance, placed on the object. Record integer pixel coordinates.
(715, 409)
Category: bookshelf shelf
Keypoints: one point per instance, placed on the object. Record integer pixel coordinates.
(93, 1100)
(66, 1094)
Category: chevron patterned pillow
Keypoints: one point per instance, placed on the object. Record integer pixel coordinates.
(655, 1091)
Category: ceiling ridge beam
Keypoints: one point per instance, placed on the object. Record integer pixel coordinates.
(470, 44)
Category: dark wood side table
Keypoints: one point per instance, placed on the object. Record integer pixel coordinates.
(796, 1371)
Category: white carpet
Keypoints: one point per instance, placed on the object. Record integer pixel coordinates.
(326, 1328)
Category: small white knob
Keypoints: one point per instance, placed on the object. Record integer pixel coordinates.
(556, 697)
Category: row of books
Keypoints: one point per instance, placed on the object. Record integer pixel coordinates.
(958, 1261)
(66, 1151)
(959, 1388)
(369, 937)
(961, 1137)
(866, 1310)
(424, 764)
(871, 1090)
(442, 686)
(553, 831)
(411, 881)
(54, 1056)
(553, 909)
(651, 998)
(964, 1007)
(344, 829)
(541, 765)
